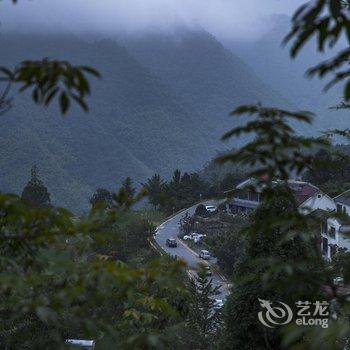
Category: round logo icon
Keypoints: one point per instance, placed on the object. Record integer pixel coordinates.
(274, 315)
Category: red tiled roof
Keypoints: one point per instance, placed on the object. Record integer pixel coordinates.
(303, 191)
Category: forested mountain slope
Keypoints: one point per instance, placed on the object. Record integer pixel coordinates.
(204, 73)
(145, 116)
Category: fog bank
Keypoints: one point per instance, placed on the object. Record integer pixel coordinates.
(226, 19)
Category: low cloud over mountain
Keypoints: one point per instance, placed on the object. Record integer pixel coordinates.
(223, 18)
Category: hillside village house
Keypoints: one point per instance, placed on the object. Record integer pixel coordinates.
(335, 231)
(308, 196)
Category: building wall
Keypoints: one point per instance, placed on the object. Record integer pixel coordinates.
(237, 205)
(244, 201)
(344, 241)
(345, 208)
(338, 240)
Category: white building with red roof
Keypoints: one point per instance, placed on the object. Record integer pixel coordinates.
(335, 231)
(309, 197)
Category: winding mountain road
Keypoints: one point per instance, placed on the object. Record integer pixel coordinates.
(170, 229)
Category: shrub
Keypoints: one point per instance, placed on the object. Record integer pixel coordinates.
(201, 211)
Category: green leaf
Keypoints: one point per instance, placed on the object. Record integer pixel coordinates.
(51, 95)
(49, 78)
(64, 103)
(80, 102)
(92, 71)
(335, 8)
(6, 72)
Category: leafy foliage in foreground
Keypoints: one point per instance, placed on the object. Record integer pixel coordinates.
(276, 150)
(275, 158)
(282, 248)
(47, 78)
(327, 21)
(204, 321)
(330, 170)
(54, 281)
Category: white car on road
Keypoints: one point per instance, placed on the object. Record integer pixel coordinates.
(211, 208)
(204, 254)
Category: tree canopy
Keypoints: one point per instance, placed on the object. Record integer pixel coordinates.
(35, 192)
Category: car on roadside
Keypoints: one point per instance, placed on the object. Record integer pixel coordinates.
(338, 281)
(211, 208)
(194, 236)
(171, 243)
(204, 254)
(81, 344)
(198, 239)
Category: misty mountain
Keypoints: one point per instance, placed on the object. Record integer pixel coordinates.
(210, 78)
(149, 113)
(272, 63)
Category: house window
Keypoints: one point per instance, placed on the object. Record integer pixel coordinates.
(325, 246)
(254, 196)
(339, 208)
(324, 227)
(331, 232)
(242, 195)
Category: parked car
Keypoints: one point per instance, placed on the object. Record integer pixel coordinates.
(338, 281)
(198, 239)
(81, 344)
(193, 236)
(211, 208)
(204, 254)
(171, 242)
(218, 304)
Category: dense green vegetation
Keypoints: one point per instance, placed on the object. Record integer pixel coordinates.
(35, 193)
(259, 273)
(331, 170)
(95, 277)
(184, 190)
(140, 122)
(274, 153)
(64, 277)
(204, 74)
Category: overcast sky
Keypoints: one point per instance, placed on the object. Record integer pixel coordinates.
(225, 19)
